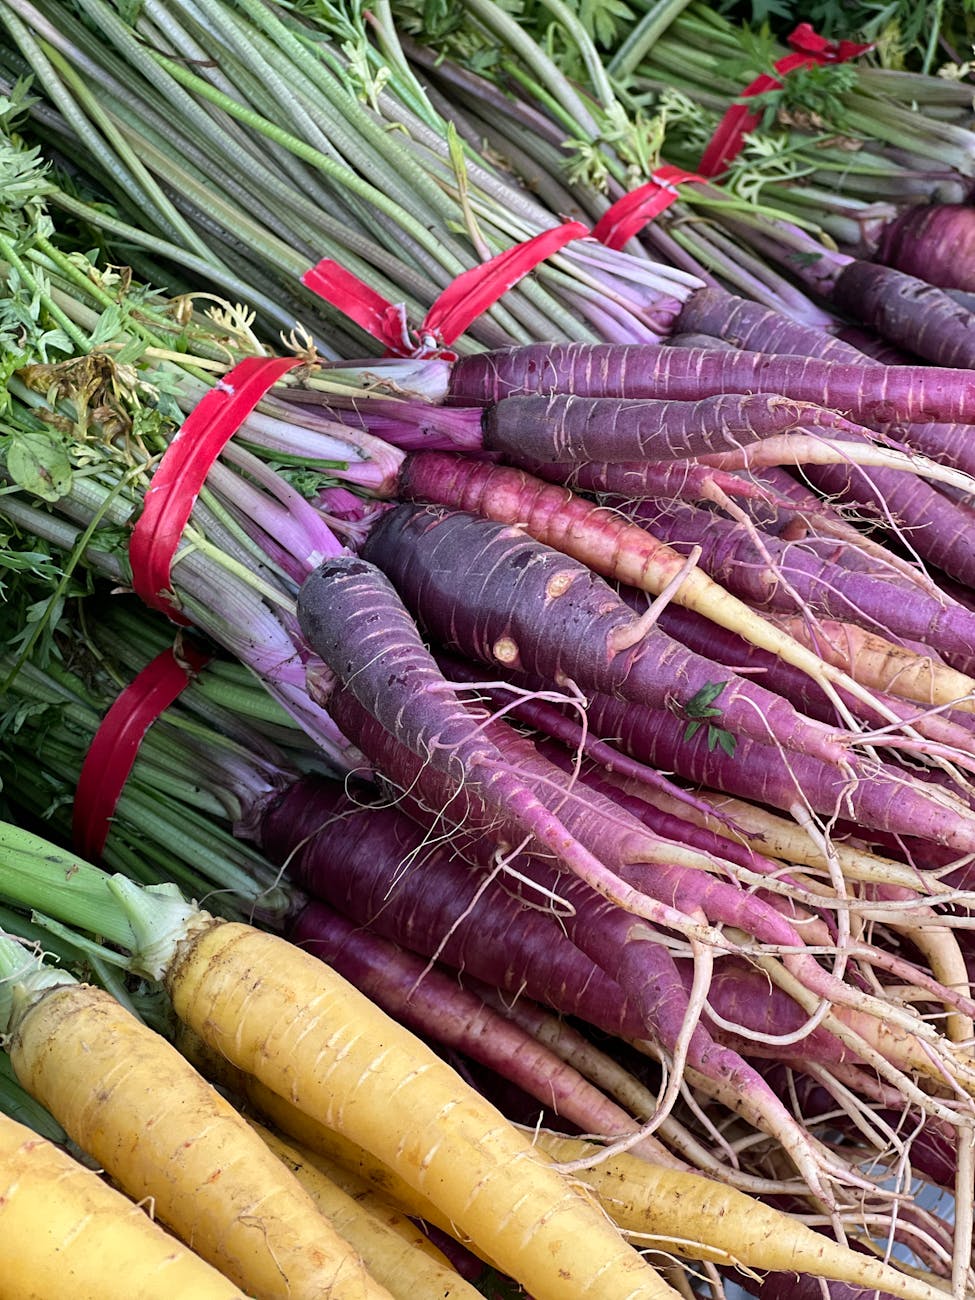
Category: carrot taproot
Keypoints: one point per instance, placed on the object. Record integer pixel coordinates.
(909, 312)
(730, 556)
(574, 429)
(702, 1219)
(97, 1069)
(67, 1233)
(406, 1271)
(282, 1015)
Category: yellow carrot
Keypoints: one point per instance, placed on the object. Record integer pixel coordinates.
(129, 1099)
(698, 1218)
(66, 1233)
(314, 1136)
(405, 1270)
(880, 664)
(282, 1015)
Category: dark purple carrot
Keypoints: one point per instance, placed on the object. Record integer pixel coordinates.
(582, 429)
(685, 480)
(910, 312)
(750, 327)
(437, 906)
(352, 618)
(491, 593)
(376, 867)
(431, 1002)
(867, 393)
(729, 556)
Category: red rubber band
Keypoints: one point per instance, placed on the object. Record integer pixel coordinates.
(634, 210)
(470, 294)
(181, 473)
(808, 48)
(115, 745)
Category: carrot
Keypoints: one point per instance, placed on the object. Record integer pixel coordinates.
(280, 1014)
(396, 706)
(428, 1000)
(491, 593)
(867, 393)
(907, 311)
(729, 555)
(701, 1219)
(97, 1069)
(564, 427)
(601, 539)
(408, 1273)
(66, 1233)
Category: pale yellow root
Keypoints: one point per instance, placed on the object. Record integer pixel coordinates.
(285, 1017)
(407, 1272)
(66, 1235)
(698, 1218)
(130, 1100)
(880, 664)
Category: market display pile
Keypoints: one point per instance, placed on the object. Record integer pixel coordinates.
(489, 663)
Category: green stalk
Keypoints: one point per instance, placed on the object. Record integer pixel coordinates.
(644, 35)
(8, 254)
(41, 877)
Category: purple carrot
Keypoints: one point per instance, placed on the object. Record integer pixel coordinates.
(867, 393)
(491, 593)
(438, 906)
(432, 1003)
(352, 618)
(939, 529)
(730, 557)
(909, 312)
(883, 799)
(749, 326)
(582, 429)
(375, 866)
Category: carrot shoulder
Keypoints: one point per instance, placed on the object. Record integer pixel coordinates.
(66, 1233)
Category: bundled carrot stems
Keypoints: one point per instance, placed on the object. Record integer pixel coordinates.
(587, 682)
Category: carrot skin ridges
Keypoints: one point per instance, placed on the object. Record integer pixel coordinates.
(280, 1014)
(94, 1066)
(493, 593)
(68, 1234)
(864, 393)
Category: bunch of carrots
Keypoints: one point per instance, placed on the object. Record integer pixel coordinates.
(587, 728)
